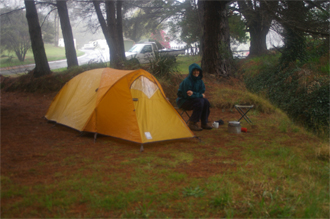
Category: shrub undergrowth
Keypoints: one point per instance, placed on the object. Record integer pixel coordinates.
(162, 66)
(301, 91)
(49, 83)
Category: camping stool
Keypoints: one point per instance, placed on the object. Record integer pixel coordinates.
(243, 110)
(183, 111)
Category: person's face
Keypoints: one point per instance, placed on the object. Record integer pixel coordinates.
(196, 73)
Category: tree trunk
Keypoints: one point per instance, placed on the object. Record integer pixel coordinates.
(117, 53)
(216, 43)
(56, 30)
(112, 30)
(226, 55)
(103, 24)
(20, 56)
(121, 45)
(40, 58)
(258, 21)
(70, 51)
(110, 11)
(258, 34)
(201, 22)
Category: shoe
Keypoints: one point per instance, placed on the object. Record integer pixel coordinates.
(206, 126)
(194, 127)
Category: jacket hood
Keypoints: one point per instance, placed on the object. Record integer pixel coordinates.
(195, 66)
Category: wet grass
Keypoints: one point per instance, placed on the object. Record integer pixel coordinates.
(275, 170)
(53, 54)
(185, 61)
(276, 176)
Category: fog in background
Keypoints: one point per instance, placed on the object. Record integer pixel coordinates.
(84, 35)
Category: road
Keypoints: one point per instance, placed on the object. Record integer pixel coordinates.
(89, 56)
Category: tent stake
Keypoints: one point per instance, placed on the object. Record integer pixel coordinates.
(200, 140)
(95, 135)
(141, 149)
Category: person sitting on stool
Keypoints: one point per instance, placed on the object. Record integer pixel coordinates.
(191, 97)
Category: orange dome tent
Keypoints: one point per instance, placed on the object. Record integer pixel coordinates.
(126, 104)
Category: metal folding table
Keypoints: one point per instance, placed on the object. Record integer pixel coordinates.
(243, 110)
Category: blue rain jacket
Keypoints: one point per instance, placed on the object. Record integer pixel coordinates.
(195, 84)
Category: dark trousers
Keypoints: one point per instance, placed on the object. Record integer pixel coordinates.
(200, 108)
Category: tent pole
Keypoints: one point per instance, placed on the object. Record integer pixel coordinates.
(95, 135)
(141, 149)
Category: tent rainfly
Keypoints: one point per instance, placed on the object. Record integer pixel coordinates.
(126, 104)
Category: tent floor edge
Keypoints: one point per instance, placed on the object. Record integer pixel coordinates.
(141, 149)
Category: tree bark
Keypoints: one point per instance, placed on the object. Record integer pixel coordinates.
(258, 21)
(102, 21)
(39, 54)
(110, 11)
(120, 31)
(201, 22)
(70, 51)
(258, 34)
(112, 30)
(226, 55)
(117, 51)
(216, 42)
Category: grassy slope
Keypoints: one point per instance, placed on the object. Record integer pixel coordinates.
(53, 53)
(272, 171)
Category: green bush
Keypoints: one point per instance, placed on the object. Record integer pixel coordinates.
(163, 66)
(301, 92)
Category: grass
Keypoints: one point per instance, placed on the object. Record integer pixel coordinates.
(276, 176)
(226, 98)
(276, 170)
(185, 61)
(53, 53)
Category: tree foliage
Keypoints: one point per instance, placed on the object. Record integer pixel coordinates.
(294, 39)
(189, 29)
(14, 32)
(301, 20)
(258, 21)
(308, 16)
(190, 24)
(237, 29)
(142, 18)
(47, 28)
(135, 26)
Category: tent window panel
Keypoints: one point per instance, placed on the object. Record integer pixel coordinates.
(143, 84)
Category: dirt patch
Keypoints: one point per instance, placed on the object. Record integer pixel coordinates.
(27, 140)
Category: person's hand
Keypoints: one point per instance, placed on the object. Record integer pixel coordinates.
(189, 93)
(203, 95)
